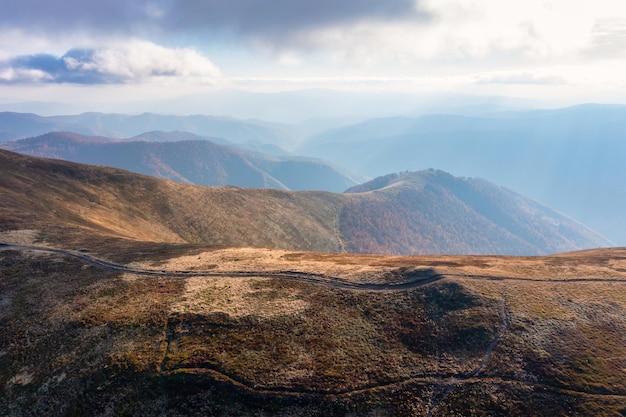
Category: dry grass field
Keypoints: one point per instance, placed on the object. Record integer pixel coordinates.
(542, 336)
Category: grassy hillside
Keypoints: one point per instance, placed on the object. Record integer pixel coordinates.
(130, 299)
(42, 193)
(434, 212)
(426, 212)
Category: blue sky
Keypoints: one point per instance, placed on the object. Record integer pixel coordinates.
(553, 50)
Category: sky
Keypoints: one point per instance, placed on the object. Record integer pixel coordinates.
(88, 51)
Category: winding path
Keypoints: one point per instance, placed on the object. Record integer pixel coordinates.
(301, 276)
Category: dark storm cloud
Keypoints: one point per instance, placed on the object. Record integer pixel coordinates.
(62, 16)
(272, 17)
(256, 18)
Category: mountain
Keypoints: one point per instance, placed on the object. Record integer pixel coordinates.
(106, 308)
(187, 158)
(423, 212)
(568, 158)
(434, 212)
(251, 133)
(52, 193)
(173, 136)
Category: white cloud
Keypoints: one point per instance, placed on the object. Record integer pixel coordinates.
(133, 61)
(138, 60)
(19, 75)
(471, 31)
(488, 46)
(533, 28)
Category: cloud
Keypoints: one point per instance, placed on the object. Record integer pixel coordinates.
(256, 18)
(70, 16)
(274, 18)
(509, 42)
(609, 39)
(357, 31)
(134, 61)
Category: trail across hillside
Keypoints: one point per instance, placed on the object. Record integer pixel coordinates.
(301, 276)
(420, 278)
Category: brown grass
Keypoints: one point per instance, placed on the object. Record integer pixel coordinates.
(77, 334)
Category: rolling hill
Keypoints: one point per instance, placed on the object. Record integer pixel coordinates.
(21, 125)
(413, 213)
(187, 158)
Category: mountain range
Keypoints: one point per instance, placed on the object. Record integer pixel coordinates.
(188, 158)
(412, 213)
(125, 294)
(254, 134)
(566, 158)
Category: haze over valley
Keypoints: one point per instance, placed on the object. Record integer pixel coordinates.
(566, 158)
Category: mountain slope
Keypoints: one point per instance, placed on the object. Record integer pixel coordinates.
(432, 211)
(424, 212)
(46, 193)
(173, 156)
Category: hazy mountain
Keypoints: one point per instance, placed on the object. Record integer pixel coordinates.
(21, 125)
(571, 158)
(231, 129)
(293, 106)
(174, 136)
(424, 212)
(271, 137)
(177, 158)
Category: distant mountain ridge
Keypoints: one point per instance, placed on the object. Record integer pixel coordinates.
(414, 213)
(197, 161)
(254, 134)
(571, 158)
